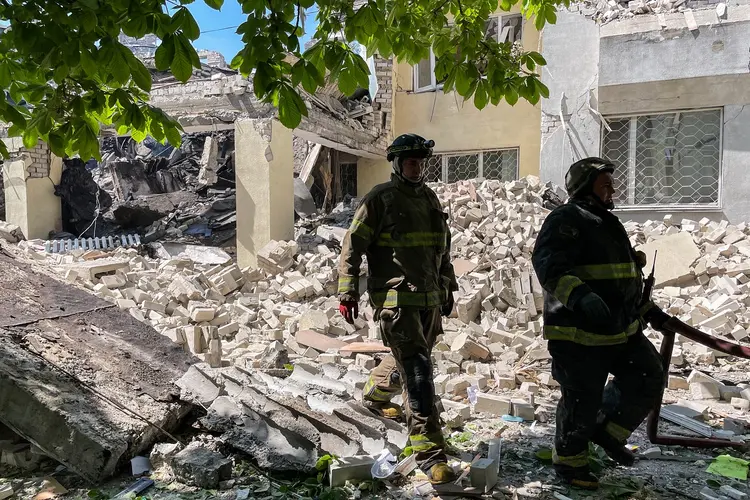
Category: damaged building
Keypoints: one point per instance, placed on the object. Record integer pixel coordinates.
(661, 89)
(236, 159)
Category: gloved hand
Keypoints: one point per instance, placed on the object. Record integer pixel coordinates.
(349, 309)
(447, 308)
(594, 309)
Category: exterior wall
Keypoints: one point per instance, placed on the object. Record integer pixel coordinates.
(370, 173)
(29, 179)
(458, 126)
(380, 120)
(641, 68)
(573, 83)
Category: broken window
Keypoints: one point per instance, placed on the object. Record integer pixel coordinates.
(511, 31)
(501, 164)
(665, 159)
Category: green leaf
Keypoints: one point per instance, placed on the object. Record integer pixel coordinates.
(118, 66)
(323, 462)
(291, 106)
(542, 89)
(140, 74)
(463, 81)
(185, 21)
(88, 63)
(265, 76)
(137, 27)
(5, 75)
(511, 97)
(181, 66)
(173, 135)
(30, 138)
(544, 455)
(481, 98)
(215, 4)
(312, 78)
(165, 53)
(537, 58)
(539, 22)
(549, 14)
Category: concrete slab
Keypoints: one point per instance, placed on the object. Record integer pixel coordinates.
(676, 253)
(125, 360)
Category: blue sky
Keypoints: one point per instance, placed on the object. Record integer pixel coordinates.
(227, 41)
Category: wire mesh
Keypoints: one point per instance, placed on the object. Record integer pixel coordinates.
(433, 169)
(666, 159)
(463, 167)
(500, 165)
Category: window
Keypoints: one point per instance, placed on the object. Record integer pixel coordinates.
(501, 164)
(348, 179)
(666, 159)
(511, 31)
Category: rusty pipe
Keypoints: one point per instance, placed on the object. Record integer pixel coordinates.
(669, 329)
(674, 325)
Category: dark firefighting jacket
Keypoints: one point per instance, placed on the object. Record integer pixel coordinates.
(404, 233)
(584, 248)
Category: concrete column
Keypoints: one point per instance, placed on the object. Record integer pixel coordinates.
(29, 179)
(264, 169)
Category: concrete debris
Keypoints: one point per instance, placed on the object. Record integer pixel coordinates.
(605, 11)
(278, 368)
(198, 466)
(10, 232)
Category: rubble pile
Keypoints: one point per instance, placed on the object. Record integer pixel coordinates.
(281, 369)
(183, 194)
(604, 11)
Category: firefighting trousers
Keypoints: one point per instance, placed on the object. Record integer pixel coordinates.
(410, 332)
(588, 407)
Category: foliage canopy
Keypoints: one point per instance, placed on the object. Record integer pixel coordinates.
(67, 75)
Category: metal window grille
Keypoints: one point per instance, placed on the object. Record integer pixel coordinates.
(666, 159)
(348, 179)
(501, 164)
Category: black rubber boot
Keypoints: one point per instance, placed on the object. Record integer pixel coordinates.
(614, 449)
(579, 477)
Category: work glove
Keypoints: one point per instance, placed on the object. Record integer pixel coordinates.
(447, 308)
(349, 308)
(594, 309)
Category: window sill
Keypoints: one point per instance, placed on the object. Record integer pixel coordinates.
(668, 208)
(428, 90)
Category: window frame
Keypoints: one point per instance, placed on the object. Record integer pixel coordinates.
(434, 85)
(444, 155)
(631, 206)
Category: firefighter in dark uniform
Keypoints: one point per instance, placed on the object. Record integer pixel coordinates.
(593, 283)
(403, 230)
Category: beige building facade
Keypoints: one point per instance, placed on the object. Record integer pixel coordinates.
(499, 142)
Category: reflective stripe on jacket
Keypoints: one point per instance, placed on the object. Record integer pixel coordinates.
(404, 233)
(583, 248)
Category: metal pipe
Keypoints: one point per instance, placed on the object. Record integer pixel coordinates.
(669, 329)
(674, 325)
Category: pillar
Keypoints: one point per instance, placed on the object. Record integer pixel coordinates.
(264, 170)
(30, 177)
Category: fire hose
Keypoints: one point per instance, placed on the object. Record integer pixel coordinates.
(669, 326)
